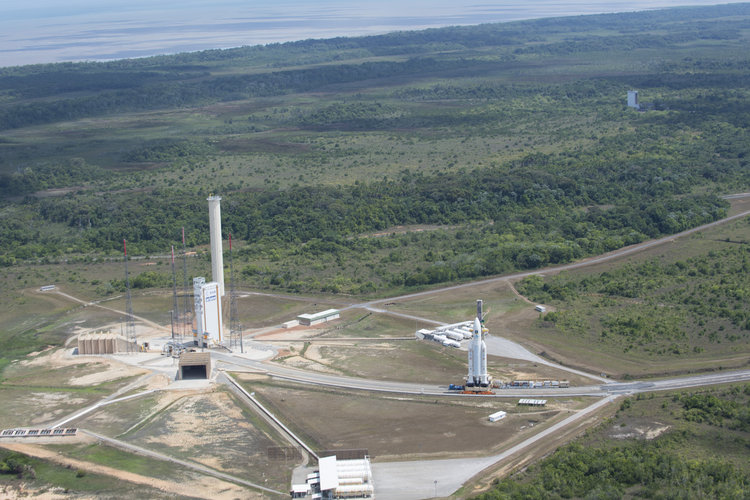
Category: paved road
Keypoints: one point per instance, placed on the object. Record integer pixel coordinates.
(417, 479)
(283, 372)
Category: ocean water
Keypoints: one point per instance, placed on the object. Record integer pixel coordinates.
(42, 31)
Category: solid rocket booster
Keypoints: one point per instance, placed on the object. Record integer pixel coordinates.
(478, 354)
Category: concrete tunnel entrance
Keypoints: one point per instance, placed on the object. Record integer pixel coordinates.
(194, 365)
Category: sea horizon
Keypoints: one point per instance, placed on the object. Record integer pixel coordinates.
(41, 31)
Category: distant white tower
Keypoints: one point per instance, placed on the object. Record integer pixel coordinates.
(633, 99)
(217, 257)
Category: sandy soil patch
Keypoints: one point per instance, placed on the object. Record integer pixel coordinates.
(158, 381)
(182, 423)
(303, 363)
(207, 487)
(291, 334)
(113, 372)
(108, 369)
(644, 431)
(47, 399)
(24, 490)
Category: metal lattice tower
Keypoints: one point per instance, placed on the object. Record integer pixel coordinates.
(129, 319)
(175, 308)
(187, 324)
(235, 328)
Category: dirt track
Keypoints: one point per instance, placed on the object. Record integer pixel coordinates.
(207, 488)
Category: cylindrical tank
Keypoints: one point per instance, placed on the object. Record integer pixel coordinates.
(454, 335)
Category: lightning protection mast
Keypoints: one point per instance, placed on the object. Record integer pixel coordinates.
(129, 320)
(187, 324)
(235, 328)
(175, 309)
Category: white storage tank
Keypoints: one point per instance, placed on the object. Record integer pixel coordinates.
(454, 335)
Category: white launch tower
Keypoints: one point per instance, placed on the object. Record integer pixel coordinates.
(217, 256)
(478, 353)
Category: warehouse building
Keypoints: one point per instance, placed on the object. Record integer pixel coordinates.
(320, 317)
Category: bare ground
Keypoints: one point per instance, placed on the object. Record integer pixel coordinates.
(402, 427)
(206, 487)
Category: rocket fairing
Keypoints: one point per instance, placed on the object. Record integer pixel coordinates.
(477, 376)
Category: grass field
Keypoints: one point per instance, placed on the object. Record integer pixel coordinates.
(99, 453)
(402, 427)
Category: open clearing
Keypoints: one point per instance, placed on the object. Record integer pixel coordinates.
(213, 429)
(46, 386)
(400, 427)
(418, 361)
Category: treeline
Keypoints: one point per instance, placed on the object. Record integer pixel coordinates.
(164, 150)
(545, 202)
(192, 91)
(16, 464)
(729, 410)
(640, 468)
(702, 288)
(68, 173)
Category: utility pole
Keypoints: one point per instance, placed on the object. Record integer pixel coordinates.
(187, 319)
(129, 320)
(235, 328)
(175, 311)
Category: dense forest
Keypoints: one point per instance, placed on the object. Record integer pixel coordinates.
(506, 146)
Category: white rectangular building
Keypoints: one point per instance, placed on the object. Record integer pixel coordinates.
(320, 317)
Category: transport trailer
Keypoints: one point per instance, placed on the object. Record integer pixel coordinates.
(462, 389)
